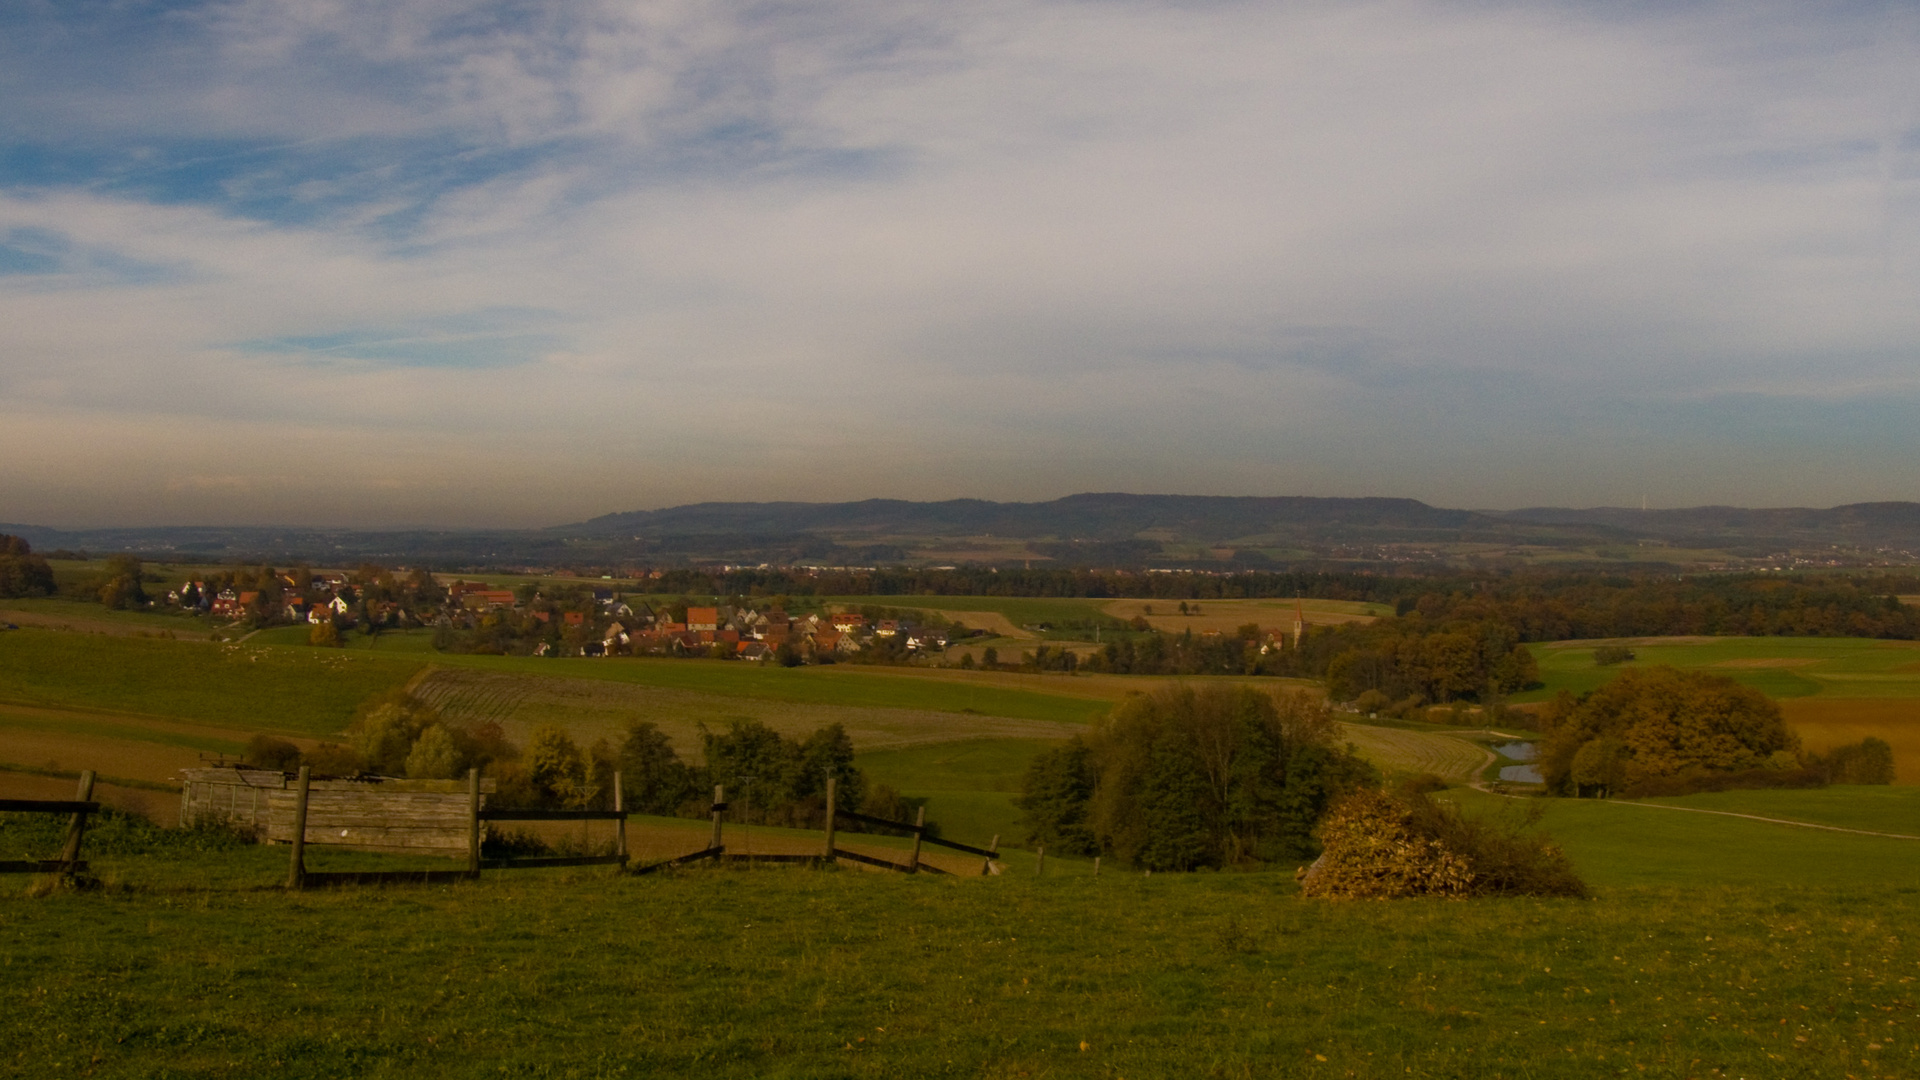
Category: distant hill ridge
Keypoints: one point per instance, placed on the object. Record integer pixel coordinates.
(1092, 516)
(1095, 528)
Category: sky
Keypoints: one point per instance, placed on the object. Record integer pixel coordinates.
(424, 262)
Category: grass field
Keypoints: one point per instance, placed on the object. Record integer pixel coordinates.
(189, 972)
(240, 687)
(1618, 843)
(1876, 809)
(969, 786)
(1715, 947)
(90, 618)
(1778, 667)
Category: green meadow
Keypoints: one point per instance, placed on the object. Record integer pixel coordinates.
(969, 785)
(244, 687)
(1779, 667)
(1714, 946)
(190, 964)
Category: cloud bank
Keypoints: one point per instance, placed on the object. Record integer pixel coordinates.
(518, 263)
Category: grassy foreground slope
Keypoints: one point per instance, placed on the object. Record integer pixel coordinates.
(846, 974)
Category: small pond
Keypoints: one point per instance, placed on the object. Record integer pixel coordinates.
(1519, 751)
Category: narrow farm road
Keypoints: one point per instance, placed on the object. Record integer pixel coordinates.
(1757, 817)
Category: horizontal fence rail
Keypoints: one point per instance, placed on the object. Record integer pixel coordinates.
(42, 866)
(680, 860)
(48, 806)
(80, 807)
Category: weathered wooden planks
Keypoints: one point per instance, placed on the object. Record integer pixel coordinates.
(369, 818)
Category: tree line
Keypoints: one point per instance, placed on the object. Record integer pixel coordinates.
(22, 573)
(771, 778)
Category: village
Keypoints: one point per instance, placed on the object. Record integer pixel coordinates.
(476, 616)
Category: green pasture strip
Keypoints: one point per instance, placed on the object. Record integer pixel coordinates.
(80, 723)
(247, 688)
(414, 642)
(808, 973)
(970, 765)
(179, 622)
(1020, 610)
(1838, 667)
(1615, 845)
(975, 817)
(1874, 808)
(840, 684)
(969, 786)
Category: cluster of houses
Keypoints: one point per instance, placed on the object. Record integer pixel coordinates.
(638, 629)
(331, 594)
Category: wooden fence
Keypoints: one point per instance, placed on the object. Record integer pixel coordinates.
(69, 862)
(434, 817)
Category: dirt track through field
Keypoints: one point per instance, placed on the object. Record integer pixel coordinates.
(1757, 817)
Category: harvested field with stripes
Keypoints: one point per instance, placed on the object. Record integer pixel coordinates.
(1397, 750)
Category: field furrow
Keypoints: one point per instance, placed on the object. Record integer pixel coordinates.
(1395, 750)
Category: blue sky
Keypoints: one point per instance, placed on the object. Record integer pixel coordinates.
(334, 261)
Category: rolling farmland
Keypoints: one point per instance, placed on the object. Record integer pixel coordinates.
(1399, 750)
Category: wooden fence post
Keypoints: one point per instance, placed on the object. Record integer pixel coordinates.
(297, 867)
(986, 864)
(919, 830)
(1040, 863)
(620, 824)
(833, 813)
(1096, 866)
(473, 822)
(719, 799)
(77, 827)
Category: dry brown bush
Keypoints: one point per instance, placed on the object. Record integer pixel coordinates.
(1381, 846)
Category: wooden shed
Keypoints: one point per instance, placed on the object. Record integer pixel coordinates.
(364, 813)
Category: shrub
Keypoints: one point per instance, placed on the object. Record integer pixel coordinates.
(1373, 850)
(1695, 783)
(1869, 761)
(1381, 846)
(434, 756)
(1609, 655)
(332, 759)
(267, 752)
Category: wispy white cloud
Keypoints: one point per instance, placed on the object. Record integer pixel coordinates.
(626, 255)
